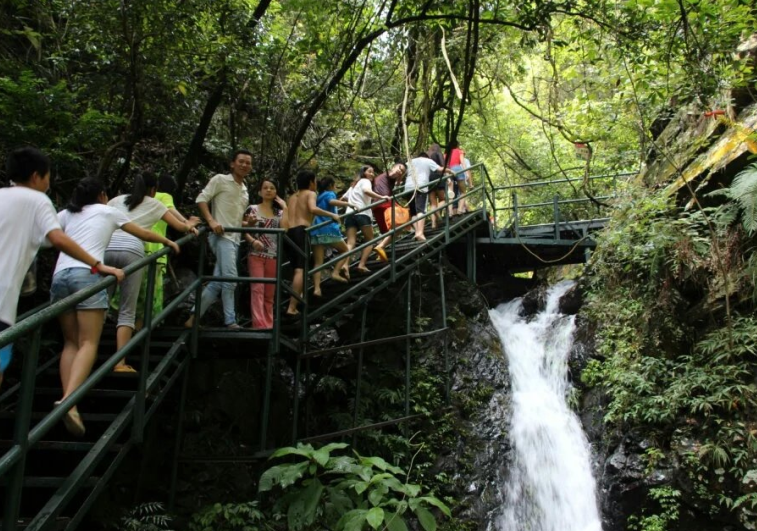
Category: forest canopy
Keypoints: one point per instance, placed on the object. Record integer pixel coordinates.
(112, 87)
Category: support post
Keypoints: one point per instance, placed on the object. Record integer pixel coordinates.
(138, 429)
(394, 248)
(358, 381)
(179, 435)
(273, 349)
(556, 212)
(515, 214)
(446, 214)
(470, 258)
(408, 323)
(193, 348)
(446, 334)
(15, 476)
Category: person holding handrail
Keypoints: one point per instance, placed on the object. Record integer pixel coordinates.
(362, 218)
(27, 222)
(140, 207)
(270, 213)
(91, 222)
(384, 185)
(228, 195)
(328, 235)
(455, 161)
(302, 209)
(418, 174)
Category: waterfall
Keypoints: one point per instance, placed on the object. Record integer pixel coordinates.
(550, 487)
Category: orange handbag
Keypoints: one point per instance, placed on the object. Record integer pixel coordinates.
(401, 215)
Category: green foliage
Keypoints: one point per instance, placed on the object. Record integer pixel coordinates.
(744, 191)
(346, 493)
(230, 517)
(667, 511)
(665, 375)
(146, 517)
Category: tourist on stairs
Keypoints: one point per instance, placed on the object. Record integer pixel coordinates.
(143, 210)
(302, 209)
(362, 218)
(27, 221)
(416, 183)
(270, 213)
(327, 235)
(90, 222)
(384, 185)
(229, 198)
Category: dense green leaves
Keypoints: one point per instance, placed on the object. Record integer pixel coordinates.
(348, 493)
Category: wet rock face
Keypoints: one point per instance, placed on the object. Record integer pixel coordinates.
(622, 467)
(479, 460)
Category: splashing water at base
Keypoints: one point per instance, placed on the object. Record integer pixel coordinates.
(550, 487)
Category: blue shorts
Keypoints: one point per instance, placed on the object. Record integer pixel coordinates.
(357, 221)
(6, 353)
(69, 281)
(459, 176)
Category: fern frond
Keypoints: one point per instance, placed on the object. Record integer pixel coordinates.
(744, 191)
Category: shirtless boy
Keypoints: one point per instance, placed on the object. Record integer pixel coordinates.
(301, 209)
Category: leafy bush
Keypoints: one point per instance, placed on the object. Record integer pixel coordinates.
(146, 517)
(346, 493)
(229, 517)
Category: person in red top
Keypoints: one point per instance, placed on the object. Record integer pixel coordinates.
(384, 185)
(454, 159)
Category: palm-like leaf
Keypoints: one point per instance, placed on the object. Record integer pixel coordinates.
(744, 191)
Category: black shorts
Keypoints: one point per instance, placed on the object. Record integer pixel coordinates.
(357, 221)
(418, 205)
(297, 247)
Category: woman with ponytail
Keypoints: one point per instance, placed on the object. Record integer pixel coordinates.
(89, 222)
(141, 207)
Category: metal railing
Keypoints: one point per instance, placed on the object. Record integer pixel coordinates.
(552, 212)
(26, 436)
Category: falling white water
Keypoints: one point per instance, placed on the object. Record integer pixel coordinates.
(550, 487)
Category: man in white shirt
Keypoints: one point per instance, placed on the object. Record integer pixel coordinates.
(27, 221)
(229, 198)
(418, 174)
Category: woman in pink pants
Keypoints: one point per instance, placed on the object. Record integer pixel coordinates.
(270, 213)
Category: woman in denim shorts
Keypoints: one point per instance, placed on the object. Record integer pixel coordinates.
(90, 222)
(361, 197)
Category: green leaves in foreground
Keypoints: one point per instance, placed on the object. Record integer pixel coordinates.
(346, 493)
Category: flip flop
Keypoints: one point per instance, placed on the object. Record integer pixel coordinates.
(381, 254)
(73, 423)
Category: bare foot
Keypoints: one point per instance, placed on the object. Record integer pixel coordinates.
(338, 278)
(420, 238)
(316, 293)
(364, 270)
(189, 323)
(346, 272)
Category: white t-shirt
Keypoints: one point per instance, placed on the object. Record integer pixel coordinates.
(358, 197)
(420, 169)
(26, 218)
(228, 201)
(145, 214)
(91, 229)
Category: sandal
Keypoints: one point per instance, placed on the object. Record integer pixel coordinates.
(381, 254)
(124, 368)
(73, 423)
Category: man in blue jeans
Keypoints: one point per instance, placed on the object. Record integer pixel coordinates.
(228, 198)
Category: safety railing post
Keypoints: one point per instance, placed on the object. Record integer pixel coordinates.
(408, 324)
(556, 212)
(140, 399)
(446, 217)
(516, 219)
(273, 349)
(393, 250)
(356, 411)
(15, 477)
(178, 436)
(446, 335)
(193, 348)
